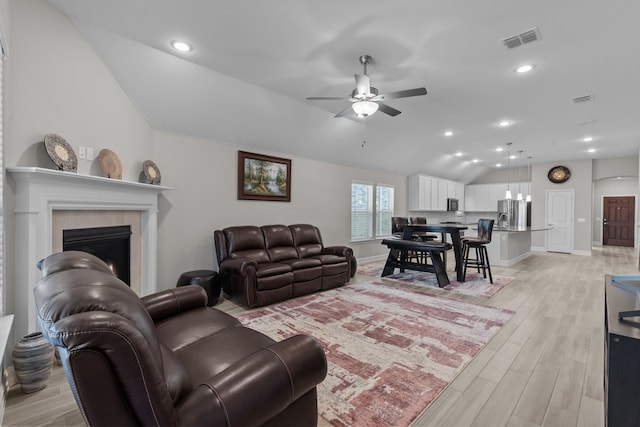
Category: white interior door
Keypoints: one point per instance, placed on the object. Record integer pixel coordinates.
(560, 219)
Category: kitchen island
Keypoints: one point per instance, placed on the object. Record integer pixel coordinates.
(509, 245)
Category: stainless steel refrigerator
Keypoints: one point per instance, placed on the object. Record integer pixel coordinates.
(512, 214)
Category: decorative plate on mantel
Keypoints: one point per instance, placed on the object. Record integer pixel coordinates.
(61, 153)
(110, 163)
(150, 173)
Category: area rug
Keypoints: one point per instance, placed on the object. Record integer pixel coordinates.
(474, 285)
(391, 351)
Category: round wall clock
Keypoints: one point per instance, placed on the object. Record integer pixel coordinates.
(559, 174)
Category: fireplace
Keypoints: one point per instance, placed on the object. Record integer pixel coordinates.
(84, 201)
(111, 244)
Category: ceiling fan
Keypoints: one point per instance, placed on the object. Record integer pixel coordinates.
(366, 99)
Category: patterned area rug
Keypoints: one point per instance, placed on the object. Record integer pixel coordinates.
(391, 351)
(475, 285)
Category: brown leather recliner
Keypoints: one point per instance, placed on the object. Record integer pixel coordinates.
(167, 359)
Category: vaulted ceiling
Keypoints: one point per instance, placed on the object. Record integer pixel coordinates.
(254, 63)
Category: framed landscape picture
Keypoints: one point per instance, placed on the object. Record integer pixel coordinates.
(263, 177)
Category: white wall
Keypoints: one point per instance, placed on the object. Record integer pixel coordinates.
(581, 182)
(204, 176)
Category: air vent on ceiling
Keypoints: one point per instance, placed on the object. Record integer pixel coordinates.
(583, 98)
(588, 122)
(522, 38)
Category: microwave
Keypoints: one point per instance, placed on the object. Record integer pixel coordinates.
(452, 204)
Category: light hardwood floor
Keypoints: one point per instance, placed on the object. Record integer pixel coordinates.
(544, 368)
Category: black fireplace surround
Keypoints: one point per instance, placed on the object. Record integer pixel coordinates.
(111, 244)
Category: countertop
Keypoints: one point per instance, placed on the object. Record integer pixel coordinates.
(512, 229)
(520, 230)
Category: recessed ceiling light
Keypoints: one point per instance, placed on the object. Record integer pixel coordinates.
(475, 160)
(448, 133)
(504, 123)
(591, 150)
(525, 68)
(499, 149)
(458, 154)
(587, 139)
(498, 165)
(181, 46)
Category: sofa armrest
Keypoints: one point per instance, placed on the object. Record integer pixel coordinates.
(236, 266)
(268, 381)
(344, 251)
(170, 302)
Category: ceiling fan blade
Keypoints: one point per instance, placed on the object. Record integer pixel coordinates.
(363, 84)
(401, 94)
(387, 110)
(344, 112)
(328, 98)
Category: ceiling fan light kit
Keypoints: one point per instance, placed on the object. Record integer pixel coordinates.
(364, 108)
(366, 99)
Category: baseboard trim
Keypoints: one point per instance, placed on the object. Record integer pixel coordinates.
(538, 249)
(374, 258)
(583, 253)
(512, 261)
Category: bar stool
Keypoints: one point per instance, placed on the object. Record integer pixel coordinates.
(481, 261)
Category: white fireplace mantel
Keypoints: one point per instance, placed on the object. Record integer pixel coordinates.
(39, 192)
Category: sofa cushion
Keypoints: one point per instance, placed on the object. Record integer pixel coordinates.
(330, 259)
(307, 239)
(272, 269)
(279, 242)
(246, 241)
(304, 263)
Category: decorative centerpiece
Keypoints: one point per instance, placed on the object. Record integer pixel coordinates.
(33, 361)
(61, 153)
(110, 163)
(150, 173)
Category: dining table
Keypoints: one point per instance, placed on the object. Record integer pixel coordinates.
(452, 230)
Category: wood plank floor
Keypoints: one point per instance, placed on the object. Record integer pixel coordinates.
(544, 368)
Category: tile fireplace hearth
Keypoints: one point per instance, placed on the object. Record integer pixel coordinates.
(42, 192)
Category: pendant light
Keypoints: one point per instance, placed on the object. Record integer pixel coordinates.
(519, 196)
(508, 193)
(528, 199)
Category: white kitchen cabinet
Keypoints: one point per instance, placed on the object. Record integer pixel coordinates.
(459, 194)
(428, 193)
(484, 197)
(420, 193)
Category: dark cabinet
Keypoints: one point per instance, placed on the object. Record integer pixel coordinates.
(622, 359)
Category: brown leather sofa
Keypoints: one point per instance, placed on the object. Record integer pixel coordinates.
(264, 265)
(167, 359)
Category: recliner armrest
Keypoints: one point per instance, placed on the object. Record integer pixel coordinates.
(170, 302)
(267, 381)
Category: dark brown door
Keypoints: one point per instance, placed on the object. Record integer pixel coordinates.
(618, 221)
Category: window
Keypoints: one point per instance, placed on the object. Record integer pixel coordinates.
(371, 216)
(384, 210)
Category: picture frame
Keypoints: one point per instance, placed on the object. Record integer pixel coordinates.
(262, 177)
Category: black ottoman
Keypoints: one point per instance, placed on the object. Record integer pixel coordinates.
(207, 279)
